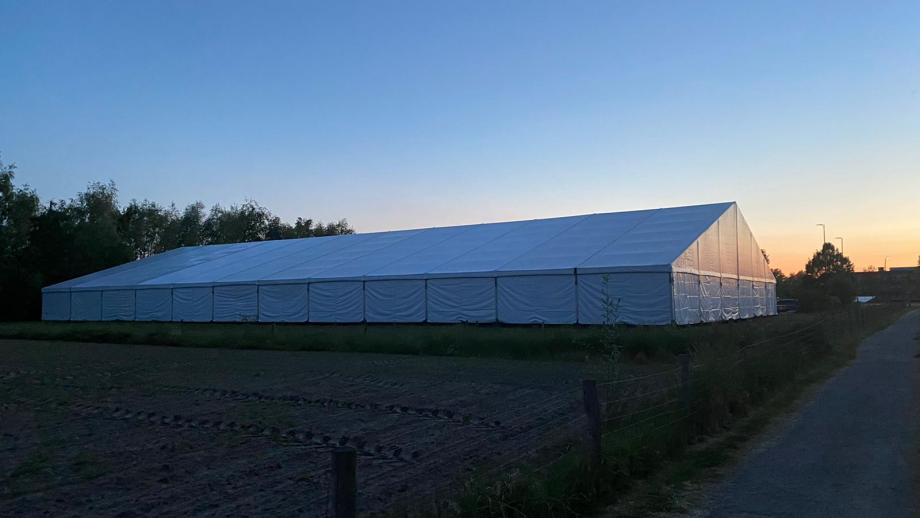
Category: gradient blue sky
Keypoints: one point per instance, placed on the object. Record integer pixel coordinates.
(399, 114)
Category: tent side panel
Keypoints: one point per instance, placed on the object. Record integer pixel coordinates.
(236, 303)
(760, 299)
(536, 299)
(193, 304)
(686, 293)
(710, 298)
(337, 301)
(56, 305)
(461, 300)
(86, 305)
(118, 305)
(746, 298)
(771, 298)
(394, 301)
(283, 303)
(153, 304)
(730, 308)
(630, 298)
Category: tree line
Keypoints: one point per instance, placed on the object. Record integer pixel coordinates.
(46, 243)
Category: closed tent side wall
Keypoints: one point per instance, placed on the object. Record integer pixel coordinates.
(236, 303)
(466, 299)
(86, 305)
(283, 303)
(626, 298)
(56, 305)
(193, 304)
(686, 298)
(395, 301)
(730, 273)
(537, 299)
(153, 304)
(118, 305)
(337, 302)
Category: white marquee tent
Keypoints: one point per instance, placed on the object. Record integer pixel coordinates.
(683, 265)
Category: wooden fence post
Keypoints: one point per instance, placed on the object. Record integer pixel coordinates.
(344, 482)
(593, 412)
(685, 380)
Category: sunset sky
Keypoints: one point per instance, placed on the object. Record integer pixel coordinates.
(400, 114)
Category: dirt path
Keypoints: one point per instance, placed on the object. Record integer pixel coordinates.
(853, 450)
(105, 430)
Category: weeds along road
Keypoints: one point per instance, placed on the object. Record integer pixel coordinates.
(853, 450)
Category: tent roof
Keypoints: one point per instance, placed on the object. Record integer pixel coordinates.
(644, 240)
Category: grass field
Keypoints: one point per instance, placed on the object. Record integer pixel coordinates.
(464, 423)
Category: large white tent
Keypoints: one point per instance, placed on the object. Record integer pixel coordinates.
(650, 267)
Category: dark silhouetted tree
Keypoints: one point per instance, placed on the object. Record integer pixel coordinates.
(43, 245)
(827, 261)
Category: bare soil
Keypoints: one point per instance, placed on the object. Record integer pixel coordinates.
(119, 430)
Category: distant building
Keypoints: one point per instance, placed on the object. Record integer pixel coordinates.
(897, 284)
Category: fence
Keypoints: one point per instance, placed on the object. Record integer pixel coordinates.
(662, 411)
(703, 390)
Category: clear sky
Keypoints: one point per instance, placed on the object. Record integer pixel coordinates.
(399, 114)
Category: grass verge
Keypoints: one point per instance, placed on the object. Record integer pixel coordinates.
(736, 389)
(518, 342)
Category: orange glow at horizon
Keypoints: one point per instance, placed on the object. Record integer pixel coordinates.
(789, 253)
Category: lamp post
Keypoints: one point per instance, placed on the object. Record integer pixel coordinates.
(886, 264)
(823, 234)
(841, 243)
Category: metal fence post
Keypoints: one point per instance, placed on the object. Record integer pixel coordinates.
(685, 380)
(344, 482)
(593, 412)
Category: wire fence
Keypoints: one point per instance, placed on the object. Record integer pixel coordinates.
(679, 398)
(671, 404)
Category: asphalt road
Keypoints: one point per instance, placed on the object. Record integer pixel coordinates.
(853, 450)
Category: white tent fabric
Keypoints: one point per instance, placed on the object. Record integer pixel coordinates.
(746, 297)
(193, 304)
(153, 304)
(467, 299)
(537, 299)
(283, 303)
(686, 298)
(86, 305)
(236, 303)
(760, 299)
(538, 271)
(395, 301)
(771, 298)
(56, 305)
(710, 298)
(730, 308)
(628, 298)
(337, 302)
(118, 305)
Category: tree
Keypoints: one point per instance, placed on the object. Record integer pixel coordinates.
(142, 226)
(828, 261)
(42, 245)
(828, 274)
(18, 208)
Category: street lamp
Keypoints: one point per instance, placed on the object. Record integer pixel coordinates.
(823, 234)
(886, 263)
(841, 243)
